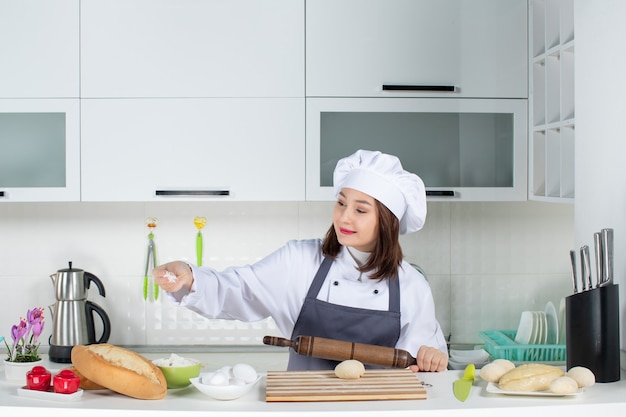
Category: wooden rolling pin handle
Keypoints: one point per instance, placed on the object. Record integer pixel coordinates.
(277, 341)
(339, 350)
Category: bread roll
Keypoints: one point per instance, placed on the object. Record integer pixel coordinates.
(492, 372)
(584, 377)
(120, 370)
(530, 377)
(505, 363)
(564, 385)
(85, 383)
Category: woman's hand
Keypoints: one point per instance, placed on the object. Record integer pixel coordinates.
(430, 359)
(173, 276)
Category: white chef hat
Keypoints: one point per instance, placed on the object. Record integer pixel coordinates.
(382, 177)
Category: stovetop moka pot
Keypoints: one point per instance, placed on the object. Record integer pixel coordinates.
(73, 314)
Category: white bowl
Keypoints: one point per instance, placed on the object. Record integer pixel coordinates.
(469, 355)
(222, 392)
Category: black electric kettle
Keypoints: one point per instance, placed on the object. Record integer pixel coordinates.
(73, 314)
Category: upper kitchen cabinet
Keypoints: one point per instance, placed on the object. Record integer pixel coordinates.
(383, 48)
(551, 99)
(39, 150)
(463, 149)
(39, 47)
(192, 48)
(238, 149)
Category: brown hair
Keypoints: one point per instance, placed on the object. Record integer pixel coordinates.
(387, 254)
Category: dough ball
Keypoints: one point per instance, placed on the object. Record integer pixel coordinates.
(350, 369)
(505, 363)
(492, 372)
(564, 385)
(583, 376)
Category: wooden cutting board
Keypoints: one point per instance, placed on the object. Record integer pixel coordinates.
(376, 384)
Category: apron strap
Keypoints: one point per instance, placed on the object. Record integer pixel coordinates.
(319, 278)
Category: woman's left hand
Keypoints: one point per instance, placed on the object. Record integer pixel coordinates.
(430, 359)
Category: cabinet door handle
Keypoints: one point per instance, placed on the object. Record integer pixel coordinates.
(400, 87)
(192, 193)
(439, 193)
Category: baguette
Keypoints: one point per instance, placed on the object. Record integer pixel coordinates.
(120, 370)
(85, 383)
(530, 377)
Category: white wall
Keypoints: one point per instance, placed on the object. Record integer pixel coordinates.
(600, 140)
(486, 262)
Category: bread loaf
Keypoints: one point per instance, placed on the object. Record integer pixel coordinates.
(120, 370)
(530, 377)
(85, 383)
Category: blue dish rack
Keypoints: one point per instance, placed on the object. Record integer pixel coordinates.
(501, 344)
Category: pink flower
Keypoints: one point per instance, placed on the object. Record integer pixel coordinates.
(18, 331)
(25, 335)
(35, 322)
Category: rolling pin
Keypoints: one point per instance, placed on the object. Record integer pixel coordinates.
(339, 350)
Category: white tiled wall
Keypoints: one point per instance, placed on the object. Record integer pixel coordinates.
(486, 262)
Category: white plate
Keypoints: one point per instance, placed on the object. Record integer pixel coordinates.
(49, 395)
(543, 328)
(525, 328)
(493, 388)
(469, 355)
(553, 324)
(536, 330)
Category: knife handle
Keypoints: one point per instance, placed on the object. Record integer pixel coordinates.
(572, 257)
(339, 350)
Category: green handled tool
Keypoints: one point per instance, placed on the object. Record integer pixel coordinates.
(199, 222)
(463, 386)
(151, 222)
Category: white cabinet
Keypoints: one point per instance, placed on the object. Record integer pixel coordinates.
(552, 118)
(192, 48)
(477, 47)
(39, 42)
(463, 149)
(217, 149)
(39, 150)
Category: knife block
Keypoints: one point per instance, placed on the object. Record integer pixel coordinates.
(592, 326)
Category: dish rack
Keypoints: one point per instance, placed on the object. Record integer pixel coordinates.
(501, 345)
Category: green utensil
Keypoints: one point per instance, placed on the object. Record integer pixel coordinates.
(199, 222)
(151, 222)
(463, 386)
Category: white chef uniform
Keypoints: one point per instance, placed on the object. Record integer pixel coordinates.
(277, 285)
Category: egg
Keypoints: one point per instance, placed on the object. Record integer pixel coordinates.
(219, 378)
(227, 370)
(244, 372)
(237, 381)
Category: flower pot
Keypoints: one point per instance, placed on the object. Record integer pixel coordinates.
(16, 371)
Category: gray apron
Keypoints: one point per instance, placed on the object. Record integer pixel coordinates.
(332, 321)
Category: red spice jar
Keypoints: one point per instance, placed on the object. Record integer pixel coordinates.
(38, 378)
(66, 382)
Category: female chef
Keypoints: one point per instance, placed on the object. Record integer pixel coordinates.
(353, 285)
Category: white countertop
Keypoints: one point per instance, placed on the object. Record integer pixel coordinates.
(608, 398)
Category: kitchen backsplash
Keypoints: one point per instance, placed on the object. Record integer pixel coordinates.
(486, 262)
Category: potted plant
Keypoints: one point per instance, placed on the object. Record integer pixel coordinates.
(24, 352)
